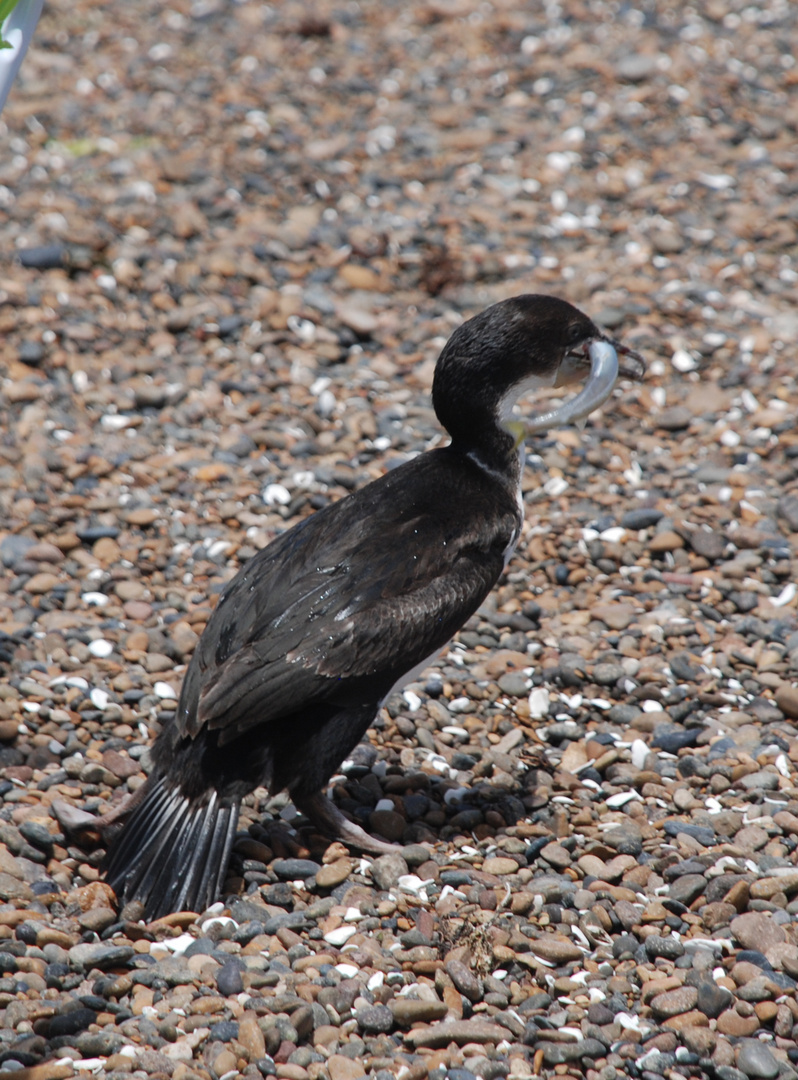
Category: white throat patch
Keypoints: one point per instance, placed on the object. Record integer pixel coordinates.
(531, 382)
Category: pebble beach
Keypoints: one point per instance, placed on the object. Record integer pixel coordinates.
(234, 238)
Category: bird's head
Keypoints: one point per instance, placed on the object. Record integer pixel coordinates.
(518, 345)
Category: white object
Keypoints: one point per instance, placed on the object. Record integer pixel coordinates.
(340, 935)
(100, 648)
(18, 31)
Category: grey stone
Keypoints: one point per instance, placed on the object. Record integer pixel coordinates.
(563, 1053)
(760, 781)
(387, 869)
(175, 970)
(712, 999)
(756, 1060)
(13, 549)
(287, 920)
(607, 674)
(669, 948)
(641, 519)
(96, 954)
(98, 1043)
(514, 683)
(374, 1019)
(687, 888)
(294, 869)
(708, 543)
(228, 978)
(788, 510)
(70, 1023)
(464, 979)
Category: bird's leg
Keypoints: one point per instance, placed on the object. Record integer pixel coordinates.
(76, 820)
(329, 820)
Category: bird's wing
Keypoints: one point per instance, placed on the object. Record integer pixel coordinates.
(324, 615)
(351, 657)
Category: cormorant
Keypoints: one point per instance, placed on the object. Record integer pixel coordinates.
(317, 629)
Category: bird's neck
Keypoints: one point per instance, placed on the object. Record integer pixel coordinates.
(493, 448)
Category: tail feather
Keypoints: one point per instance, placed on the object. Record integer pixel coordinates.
(209, 830)
(139, 825)
(172, 853)
(161, 849)
(205, 877)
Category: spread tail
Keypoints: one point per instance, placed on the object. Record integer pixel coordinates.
(172, 853)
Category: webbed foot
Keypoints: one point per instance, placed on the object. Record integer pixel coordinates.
(329, 820)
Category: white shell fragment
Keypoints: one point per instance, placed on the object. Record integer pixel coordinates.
(99, 698)
(539, 703)
(683, 361)
(100, 648)
(340, 935)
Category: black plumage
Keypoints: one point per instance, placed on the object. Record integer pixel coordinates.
(313, 633)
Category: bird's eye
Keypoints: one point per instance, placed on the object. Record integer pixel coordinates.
(574, 334)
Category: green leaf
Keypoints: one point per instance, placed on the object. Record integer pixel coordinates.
(6, 7)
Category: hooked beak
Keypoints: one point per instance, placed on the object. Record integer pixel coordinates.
(599, 356)
(577, 363)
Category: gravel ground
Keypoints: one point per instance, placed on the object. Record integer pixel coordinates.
(233, 238)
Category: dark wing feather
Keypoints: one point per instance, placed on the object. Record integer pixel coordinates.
(296, 628)
(355, 658)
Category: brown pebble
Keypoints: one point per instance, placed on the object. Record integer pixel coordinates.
(181, 919)
(731, 1023)
(332, 874)
(344, 1068)
(786, 699)
(48, 1070)
(665, 541)
(699, 1040)
(458, 1031)
(674, 1002)
(106, 550)
(95, 895)
(756, 930)
(767, 887)
(738, 895)
(407, 1011)
(224, 1062)
(42, 583)
(8, 730)
(615, 616)
(119, 1063)
(97, 919)
(121, 765)
(693, 1018)
(464, 979)
(251, 1037)
(325, 1035)
(766, 1011)
(12, 888)
(49, 935)
(142, 516)
(500, 865)
(452, 999)
(556, 950)
(287, 1071)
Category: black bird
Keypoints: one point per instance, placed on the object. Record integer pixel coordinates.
(315, 631)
